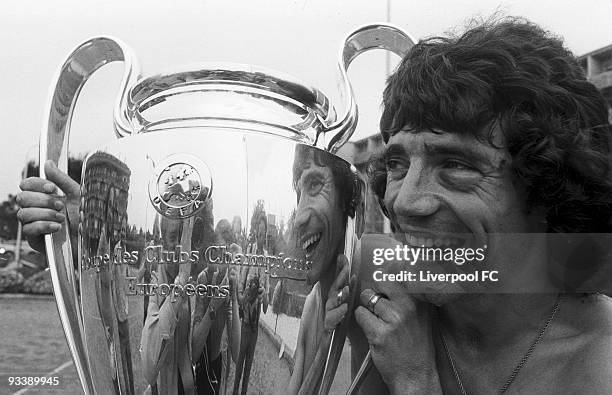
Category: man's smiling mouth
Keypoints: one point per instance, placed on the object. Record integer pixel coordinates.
(419, 240)
(310, 242)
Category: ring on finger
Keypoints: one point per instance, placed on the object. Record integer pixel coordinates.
(340, 295)
(373, 300)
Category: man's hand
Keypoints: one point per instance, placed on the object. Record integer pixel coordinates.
(204, 303)
(336, 307)
(42, 209)
(398, 329)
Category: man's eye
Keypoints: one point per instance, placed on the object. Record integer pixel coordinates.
(457, 165)
(396, 166)
(460, 175)
(314, 186)
(391, 165)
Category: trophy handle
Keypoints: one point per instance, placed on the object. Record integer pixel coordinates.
(73, 74)
(375, 36)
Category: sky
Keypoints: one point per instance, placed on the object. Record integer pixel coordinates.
(297, 37)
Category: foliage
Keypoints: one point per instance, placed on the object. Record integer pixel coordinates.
(8, 218)
(11, 281)
(40, 283)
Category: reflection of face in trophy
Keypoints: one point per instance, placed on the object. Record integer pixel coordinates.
(320, 217)
(225, 233)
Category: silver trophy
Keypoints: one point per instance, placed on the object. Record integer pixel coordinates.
(209, 231)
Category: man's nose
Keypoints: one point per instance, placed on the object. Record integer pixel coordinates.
(302, 215)
(415, 197)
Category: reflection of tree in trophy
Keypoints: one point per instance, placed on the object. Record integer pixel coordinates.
(105, 193)
(259, 215)
(104, 207)
(239, 232)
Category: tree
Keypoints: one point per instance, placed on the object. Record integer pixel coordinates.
(8, 218)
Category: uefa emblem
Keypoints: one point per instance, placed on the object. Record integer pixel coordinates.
(180, 185)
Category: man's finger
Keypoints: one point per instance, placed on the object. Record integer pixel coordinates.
(383, 308)
(39, 199)
(37, 184)
(369, 323)
(344, 292)
(61, 179)
(333, 317)
(367, 295)
(334, 301)
(33, 214)
(39, 228)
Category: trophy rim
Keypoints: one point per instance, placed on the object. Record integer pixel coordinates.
(232, 77)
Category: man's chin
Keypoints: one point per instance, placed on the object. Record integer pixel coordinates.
(313, 276)
(315, 273)
(438, 299)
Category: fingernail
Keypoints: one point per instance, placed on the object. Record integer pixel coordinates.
(60, 216)
(54, 227)
(49, 188)
(59, 205)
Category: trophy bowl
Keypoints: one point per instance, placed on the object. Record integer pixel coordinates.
(209, 231)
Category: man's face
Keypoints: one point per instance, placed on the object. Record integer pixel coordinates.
(318, 221)
(454, 191)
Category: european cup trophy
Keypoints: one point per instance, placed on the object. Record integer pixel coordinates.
(209, 231)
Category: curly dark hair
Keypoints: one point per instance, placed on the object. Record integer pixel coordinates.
(512, 74)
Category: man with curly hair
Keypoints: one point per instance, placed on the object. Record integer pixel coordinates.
(326, 194)
(494, 131)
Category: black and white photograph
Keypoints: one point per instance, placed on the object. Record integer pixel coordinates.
(306, 197)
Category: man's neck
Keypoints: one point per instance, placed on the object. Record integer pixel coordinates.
(488, 320)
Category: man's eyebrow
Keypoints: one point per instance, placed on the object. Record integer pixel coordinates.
(460, 150)
(393, 149)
